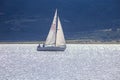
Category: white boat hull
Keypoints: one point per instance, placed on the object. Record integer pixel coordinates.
(51, 48)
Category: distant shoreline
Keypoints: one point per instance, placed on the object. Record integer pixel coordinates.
(67, 41)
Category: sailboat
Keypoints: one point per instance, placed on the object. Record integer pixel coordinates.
(55, 40)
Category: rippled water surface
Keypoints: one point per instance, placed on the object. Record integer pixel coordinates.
(77, 62)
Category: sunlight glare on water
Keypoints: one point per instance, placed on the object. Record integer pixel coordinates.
(77, 62)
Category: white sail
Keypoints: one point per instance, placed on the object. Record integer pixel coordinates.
(60, 40)
(55, 40)
(52, 33)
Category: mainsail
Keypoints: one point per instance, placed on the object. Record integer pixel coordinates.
(52, 33)
(55, 36)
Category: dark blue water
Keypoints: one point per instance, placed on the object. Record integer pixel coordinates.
(30, 20)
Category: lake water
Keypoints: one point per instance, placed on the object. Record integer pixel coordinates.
(77, 62)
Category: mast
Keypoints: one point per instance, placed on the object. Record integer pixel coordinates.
(56, 27)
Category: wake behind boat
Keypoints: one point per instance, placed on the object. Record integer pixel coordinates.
(55, 40)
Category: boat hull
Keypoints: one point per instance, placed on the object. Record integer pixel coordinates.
(51, 48)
